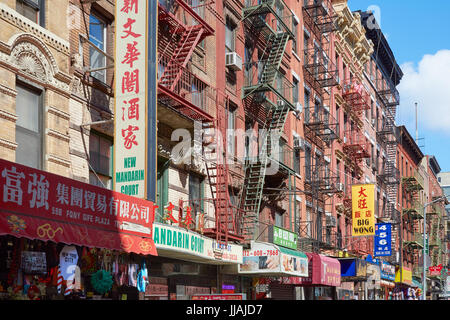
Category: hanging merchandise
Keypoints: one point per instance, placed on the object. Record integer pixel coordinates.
(68, 259)
(132, 274)
(87, 260)
(101, 281)
(142, 279)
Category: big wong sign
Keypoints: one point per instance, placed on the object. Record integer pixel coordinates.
(363, 210)
(135, 98)
(39, 205)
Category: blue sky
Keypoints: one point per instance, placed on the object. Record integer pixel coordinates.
(418, 33)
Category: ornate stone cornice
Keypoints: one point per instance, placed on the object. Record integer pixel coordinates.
(28, 56)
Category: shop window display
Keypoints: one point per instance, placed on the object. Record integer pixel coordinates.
(37, 270)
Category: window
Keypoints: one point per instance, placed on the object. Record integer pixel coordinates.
(294, 31)
(100, 150)
(307, 98)
(295, 90)
(231, 141)
(279, 220)
(97, 35)
(305, 47)
(195, 193)
(29, 125)
(230, 36)
(297, 161)
(33, 10)
(162, 190)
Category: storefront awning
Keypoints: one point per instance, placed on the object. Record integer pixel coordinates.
(180, 243)
(322, 271)
(353, 269)
(269, 260)
(39, 205)
(388, 284)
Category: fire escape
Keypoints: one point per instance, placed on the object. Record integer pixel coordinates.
(267, 97)
(318, 231)
(181, 27)
(413, 212)
(388, 137)
(436, 228)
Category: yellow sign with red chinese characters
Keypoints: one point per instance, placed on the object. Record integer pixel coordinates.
(363, 210)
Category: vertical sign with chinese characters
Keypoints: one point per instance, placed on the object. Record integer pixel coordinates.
(383, 237)
(363, 205)
(130, 120)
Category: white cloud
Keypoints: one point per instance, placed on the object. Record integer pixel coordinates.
(428, 84)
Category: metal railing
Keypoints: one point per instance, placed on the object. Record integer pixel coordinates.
(260, 76)
(414, 182)
(415, 209)
(270, 11)
(181, 81)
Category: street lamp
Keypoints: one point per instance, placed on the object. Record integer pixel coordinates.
(424, 276)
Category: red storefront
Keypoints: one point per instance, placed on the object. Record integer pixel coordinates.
(39, 209)
(324, 275)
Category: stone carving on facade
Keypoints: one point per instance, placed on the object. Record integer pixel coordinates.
(30, 56)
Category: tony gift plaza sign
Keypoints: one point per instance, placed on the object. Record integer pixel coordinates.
(39, 205)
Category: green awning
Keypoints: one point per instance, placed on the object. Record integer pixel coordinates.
(416, 283)
(293, 252)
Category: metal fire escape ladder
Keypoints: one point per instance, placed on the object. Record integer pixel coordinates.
(256, 172)
(268, 84)
(189, 40)
(215, 145)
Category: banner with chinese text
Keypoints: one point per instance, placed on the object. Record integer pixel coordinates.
(130, 120)
(363, 210)
(39, 205)
(383, 239)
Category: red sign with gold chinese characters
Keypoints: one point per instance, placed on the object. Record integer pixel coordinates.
(39, 205)
(363, 210)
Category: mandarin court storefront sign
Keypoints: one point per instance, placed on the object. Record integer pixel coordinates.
(39, 205)
(177, 242)
(133, 121)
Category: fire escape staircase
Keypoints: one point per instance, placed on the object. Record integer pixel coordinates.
(256, 172)
(175, 49)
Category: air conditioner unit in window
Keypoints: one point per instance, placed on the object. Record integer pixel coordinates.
(233, 61)
(373, 122)
(280, 103)
(340, 186)
(331, 221)
(299, 143)
(298, 107)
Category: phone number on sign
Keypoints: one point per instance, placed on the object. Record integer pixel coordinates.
(260, 253)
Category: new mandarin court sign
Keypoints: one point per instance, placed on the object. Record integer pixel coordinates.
(363, 205)
(134, 104)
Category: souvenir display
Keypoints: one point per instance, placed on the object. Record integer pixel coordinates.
(36, 270)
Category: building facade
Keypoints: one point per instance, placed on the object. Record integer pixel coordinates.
(267, 113)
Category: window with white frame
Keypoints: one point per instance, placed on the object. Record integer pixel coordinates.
(29, 126)
(97, 36)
